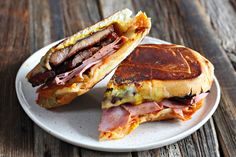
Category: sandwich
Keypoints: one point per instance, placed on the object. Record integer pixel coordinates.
(155, 82)
(77, 63)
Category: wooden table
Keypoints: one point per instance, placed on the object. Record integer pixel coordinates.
(208, 26)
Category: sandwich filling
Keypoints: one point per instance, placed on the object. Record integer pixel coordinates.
(120, 120)
(74, 60)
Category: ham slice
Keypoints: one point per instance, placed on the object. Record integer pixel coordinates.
(141, 109)
(179, 105)
(63, 78)
(199, 97)
(114, 118)
(178, 108)
(96, 58)
(119, 116)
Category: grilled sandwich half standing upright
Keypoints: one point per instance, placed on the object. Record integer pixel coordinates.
(76, 64)
(156, 82)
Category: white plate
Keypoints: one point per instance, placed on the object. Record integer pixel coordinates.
(77, 123)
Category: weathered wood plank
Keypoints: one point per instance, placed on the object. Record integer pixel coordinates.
(172, 150)
(90, 153)
(76, 18)
(197, 144)
(201, 141)
(93, 14)
(168, 24)
(223, 19)
(40, 26)
(206, 41)
(44, 144)
(45, 28)
(172, 20)
(109, 7)
(79, 14)
(165, 26)
(16, 138)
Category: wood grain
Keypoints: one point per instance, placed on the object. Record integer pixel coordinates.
(75, 19)
(16, 138)
(169, 25)
(207, 26)
(108, 7)
(206, 41)
(40, 24)
(92, 153)
(42, 33)
(222, 15)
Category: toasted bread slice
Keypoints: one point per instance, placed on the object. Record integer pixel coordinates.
(157, 72)
(133, 29)
(156, 82)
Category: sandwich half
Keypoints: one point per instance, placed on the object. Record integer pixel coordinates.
(156, 82)
(76, 64)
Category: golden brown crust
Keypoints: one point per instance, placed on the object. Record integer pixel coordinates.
(135, 30)
(158, 89)
(157, 62)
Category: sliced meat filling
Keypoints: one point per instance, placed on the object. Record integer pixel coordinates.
(82, 56)
(113, 118)
(64, 61)
(130, 110)
(60, 56)
(86, 64)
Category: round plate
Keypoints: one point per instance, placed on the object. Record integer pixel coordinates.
(77, 123)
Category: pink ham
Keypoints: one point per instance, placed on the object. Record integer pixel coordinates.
(178, 108)
(62, 78)
(119, 116)
(199, 97)
(114, 118)
(141, 109)
(96, 58)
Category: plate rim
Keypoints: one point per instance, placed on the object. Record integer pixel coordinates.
(152, 145)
